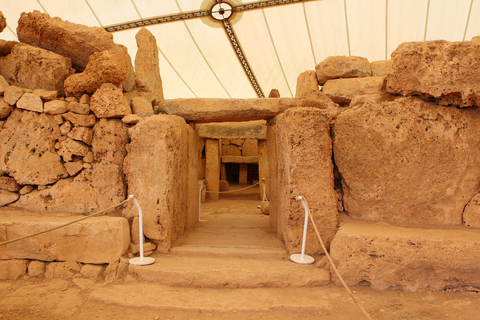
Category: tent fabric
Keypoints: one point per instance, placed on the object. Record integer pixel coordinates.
(279, 41)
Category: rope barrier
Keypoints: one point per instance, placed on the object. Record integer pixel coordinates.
(367, 315)
(253, 185)
(66, 224)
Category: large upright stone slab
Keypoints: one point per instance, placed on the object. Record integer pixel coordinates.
(96, 240)
(192, 205)
(147, 68)
(410, 259)
(156, 173)
(27, 149)
(212, 167)
(35, 68)
(273, 172)
(342, 67)
(75, 41)
(305, 168)
(408, 161)
(446, 71)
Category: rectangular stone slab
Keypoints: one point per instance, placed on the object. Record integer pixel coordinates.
(96, 240)
(410, 259)
(239, 159)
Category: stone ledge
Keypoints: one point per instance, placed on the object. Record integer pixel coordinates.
(410, 259)
(239, 159)
(97, 240)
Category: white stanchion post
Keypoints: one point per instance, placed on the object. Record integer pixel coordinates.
(303, 258)
(140, 261)
(204, 185)
(264, 190)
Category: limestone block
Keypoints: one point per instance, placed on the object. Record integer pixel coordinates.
(342, 67)
(224, 185)
(342, 91)
(237, 142)
(471, 214)
(232, 130)
(231, 150)
(82, 120)
(263, 171)
(192, 178)
(73, 168)
(399, 161)
(66, 127)
(7, 197)
(83, 134)
(212, 167)
(239, 159)
(91, 271)
(376, 97)
(6, 47)
(272, 174)
(5, 109)
(141, 106)
(35, 68)
(109, 102)
(46, 95)
(96, 240)
(58, 119)
(131, 119)
(159, 183)
(70, 147)
(274, 93)
(3, 22)
(62, 270)
(36, 268)
(109, 66)
(3, 85)
(243, 174)
(410, 259)
(88, 158)
(306, 132)
(12, 94)
(307, 85)
(147, 246)
(79, 108)
(12, 269)
(26, 189)
(213, 109)
(250, 148)
(147, 66)
(30, 102)
(55, 107)
(446, 71)
(75, 41)
(27, 150)
(9, 184)
(381, 68)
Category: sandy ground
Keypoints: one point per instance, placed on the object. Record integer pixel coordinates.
(39, 298)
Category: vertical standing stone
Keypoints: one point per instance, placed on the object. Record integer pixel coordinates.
(272, 168)
(212, 167)
(192, 205)
(146, 65)
(263, 167)
(242, 175)
(223, 172)
(305, 168)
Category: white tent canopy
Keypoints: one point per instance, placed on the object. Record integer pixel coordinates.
(279, 38)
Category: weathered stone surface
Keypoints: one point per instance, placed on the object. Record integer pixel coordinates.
(399, 161)
(3, 22)
(91, 271)
(449, 72)
(212, 167)
(146, 65)
(12, 94)
(35, 68)
(221, 110)
(79, 108)
(12, 269)
(239, 159)
(342, 67)
(96, 240)
(306, 132)
(307, 85)
(83, 134)
(272, 173)
(82, 120)
(7, 197)
(382, 68)
(27, 150)
(75, 41)
(375, 97)
(62, 270)
(250, 148)
(141, 106)
(36, 268)
(55, 107)
(471, 214)
(65, 128)
(6, 47)
(163, 199)
(73, 168)
(135, 231)
(108, 145)
(147, 246)
(410, 259)
(342, 91)
(3, 85)
(131, 119)
(70, 147)
(109, 66)
(30, 102)
(233, 130)
(26, 189)
(274, 93)
(46, 94)
(5, 109)
(108, 102)
(9, 184)
(231, 150)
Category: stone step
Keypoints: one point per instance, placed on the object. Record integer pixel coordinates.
(154, 296)
(217, 272)
(249, 252)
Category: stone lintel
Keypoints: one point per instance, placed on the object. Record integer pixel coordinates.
(239, 159)
(221, 110)
(233, 130)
